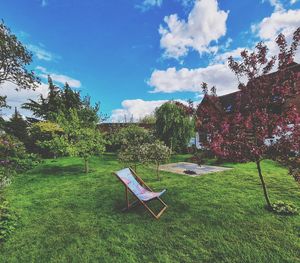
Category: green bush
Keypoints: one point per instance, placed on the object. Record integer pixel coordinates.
(284, 208)
(132, 135)
(8, 220)
(13, 158)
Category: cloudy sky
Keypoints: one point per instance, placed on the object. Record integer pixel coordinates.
(133, 55)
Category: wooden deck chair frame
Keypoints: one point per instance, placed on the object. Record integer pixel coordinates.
(139, 201)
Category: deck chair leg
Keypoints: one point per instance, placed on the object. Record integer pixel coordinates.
(163, 203)
(128, 204)
(152, 213)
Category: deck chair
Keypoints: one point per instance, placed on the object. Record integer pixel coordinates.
(142, 192)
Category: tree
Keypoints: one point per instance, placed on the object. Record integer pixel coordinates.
(14, 59)
(17, 127)
(262, 108)
(83, 141)
(133, 155)
(45, 130)
(3, 102)
(57, 146)
(88, 142)
(157, 153)
(61, 101)
(130, 141)
(174, 125)
(131, 136)
(148, 119)
(41, 133)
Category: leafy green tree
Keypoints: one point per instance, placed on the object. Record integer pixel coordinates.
(17, 127)
(148, 119)
(41, 133)
(14, 59)
(83, 141)
(87, 143)
(57, 146)
(45, 130)
(132, 135)
(132, 155)
(130, 141)
(46, 108)
(62, 101)
(3, 102)
(156, 153)
(174, 126)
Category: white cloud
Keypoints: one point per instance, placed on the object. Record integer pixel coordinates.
(17, 98)
(137, 109)
(218, 74)
(278, 6)
(206, 23)
(223, 57)
(293, 2)
(74, 83)
(41, 53)
(147, 4)
(187, 3)
(285, 22)
(279, 22)
(172, 80)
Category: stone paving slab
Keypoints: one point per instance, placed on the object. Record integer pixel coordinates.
(180, 167)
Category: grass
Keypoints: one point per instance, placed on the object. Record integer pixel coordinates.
(67, 216)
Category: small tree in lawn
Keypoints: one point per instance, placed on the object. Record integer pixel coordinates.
(260, 110)
(156, 153)
(131, 139)
(89, 142)
(84, 141)
(133, 155)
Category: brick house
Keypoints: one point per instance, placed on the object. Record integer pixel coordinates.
(226, 103)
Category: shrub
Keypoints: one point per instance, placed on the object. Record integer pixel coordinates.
(11, 150)
(129, 136)
(8, 220)
(56, 147)
(43, 132)
(13, 158)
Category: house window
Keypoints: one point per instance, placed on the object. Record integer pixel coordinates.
(228, 108)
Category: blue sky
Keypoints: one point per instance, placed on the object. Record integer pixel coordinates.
(132, 55)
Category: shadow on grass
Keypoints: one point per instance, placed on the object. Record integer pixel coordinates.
(58, 170)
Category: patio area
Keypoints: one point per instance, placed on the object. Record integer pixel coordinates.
(180, 167)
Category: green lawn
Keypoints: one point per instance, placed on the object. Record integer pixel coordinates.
(67, 216)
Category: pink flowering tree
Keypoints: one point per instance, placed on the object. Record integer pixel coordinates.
(263, 108)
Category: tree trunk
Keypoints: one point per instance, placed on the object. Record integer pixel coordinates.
(86, 165)
(263, 184)
(157, 171)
